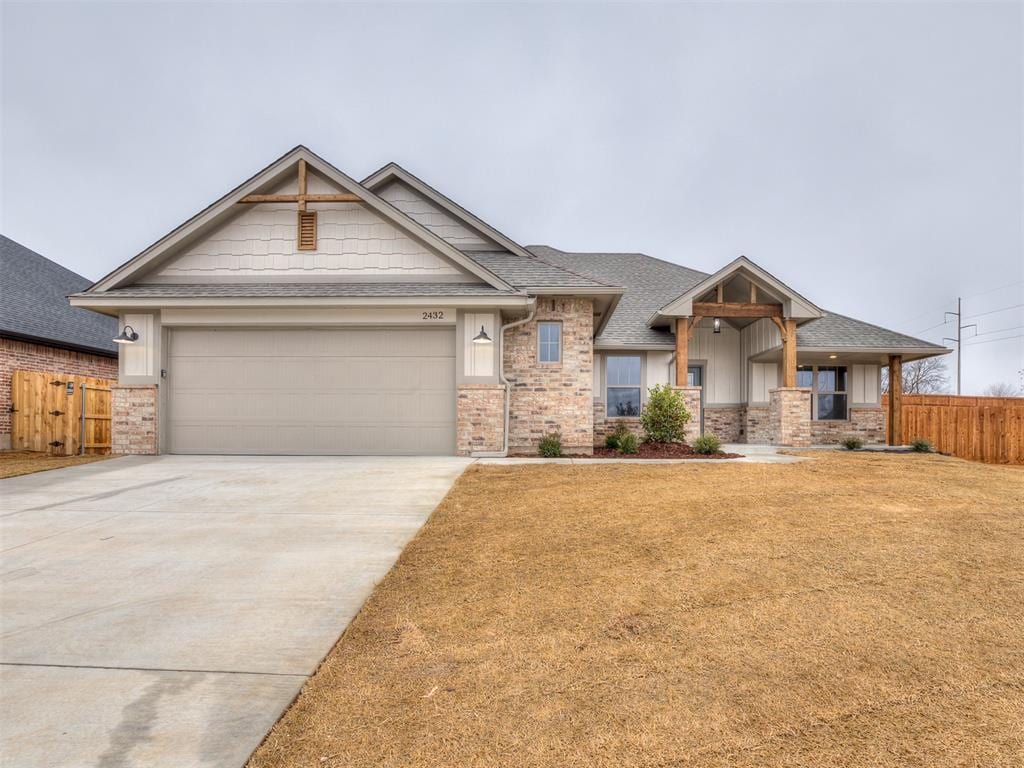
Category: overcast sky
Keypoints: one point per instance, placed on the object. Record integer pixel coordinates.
(870, 155)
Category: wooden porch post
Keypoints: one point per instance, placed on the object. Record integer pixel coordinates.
(787, 330)
(894, 429)
(682, 350)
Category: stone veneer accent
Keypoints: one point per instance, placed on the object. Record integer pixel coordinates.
(758, 424)
(134, 424)
(16, 355)
(726, 422)
(866, 423)
(692, 397)
(480, 418)
(553, 397)
(790, 416)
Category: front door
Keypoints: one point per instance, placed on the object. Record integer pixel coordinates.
(695, 378)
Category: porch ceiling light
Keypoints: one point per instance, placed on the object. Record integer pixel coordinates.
(482, 337)
(832, 357)
(127, 336)
(717, 324)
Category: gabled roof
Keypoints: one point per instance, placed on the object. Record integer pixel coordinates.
(224, 207)
(393, 171)
(34, 303)
(532, 273)
(795, 305)
(835, 331)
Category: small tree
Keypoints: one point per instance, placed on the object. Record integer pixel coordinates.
(1001, 389)
(665, 415)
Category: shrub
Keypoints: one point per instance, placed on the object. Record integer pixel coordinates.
(550, 446)
(629, 443)
(707, 444)
(614, 440)
(920, 445)
(852, 443)
(665, 415)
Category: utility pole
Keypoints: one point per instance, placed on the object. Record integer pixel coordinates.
(960, 328)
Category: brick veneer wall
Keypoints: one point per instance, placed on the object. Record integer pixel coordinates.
(134, 425)
(692, 397)
(550, 397)
(758, 424)
(18, 355)
(790, 416)
(603, 426)
(866, 423)
(480, 415)
(726, 422)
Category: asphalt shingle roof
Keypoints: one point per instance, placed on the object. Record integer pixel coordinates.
(534, 273)
(33, 302)
(650, 284)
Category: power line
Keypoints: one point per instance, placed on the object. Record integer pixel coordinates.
(933, 327)
(972, 296)
(1001, 330)
(989, 341)
(991, 312)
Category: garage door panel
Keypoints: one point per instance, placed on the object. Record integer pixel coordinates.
(328, 391)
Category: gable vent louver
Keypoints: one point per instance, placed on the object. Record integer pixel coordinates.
(307, 231)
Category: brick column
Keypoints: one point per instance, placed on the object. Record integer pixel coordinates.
(480, 418)
(134, 421)
(692, 397)
(789, 416)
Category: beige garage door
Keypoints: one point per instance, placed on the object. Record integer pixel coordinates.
(323, 391)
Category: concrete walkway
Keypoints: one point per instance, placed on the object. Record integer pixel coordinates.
(163, 611)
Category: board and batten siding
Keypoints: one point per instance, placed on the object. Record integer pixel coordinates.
(865, 384)
(260, 242)
(478, 359)
(720, 352)
(433, 217)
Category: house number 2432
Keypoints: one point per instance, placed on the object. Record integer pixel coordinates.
(437, 315)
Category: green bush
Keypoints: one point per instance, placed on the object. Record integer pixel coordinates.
(629, 443)
(665, 415)
(614, 440)
(920, 445)
(852, 443)
(550, 446)
(707, 444)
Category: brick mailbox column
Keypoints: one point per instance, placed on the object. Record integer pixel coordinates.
(789, 415)
(134, 423)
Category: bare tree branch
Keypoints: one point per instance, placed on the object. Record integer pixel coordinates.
(922, 377)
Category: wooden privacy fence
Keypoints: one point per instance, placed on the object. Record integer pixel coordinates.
(988, 429)
(60, 414)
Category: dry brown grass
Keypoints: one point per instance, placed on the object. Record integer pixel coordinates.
(853, 610)
(14, 463)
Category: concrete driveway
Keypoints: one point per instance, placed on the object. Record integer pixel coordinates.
(163, 611)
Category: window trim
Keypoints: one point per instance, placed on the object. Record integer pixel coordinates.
(815, 391)
(558, 324)
(604, 381)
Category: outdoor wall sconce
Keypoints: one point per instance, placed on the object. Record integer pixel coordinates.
(482, 337)
(127, 336)
(717, 323)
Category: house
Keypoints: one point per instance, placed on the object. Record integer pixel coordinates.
(308, 313)
(39, 331)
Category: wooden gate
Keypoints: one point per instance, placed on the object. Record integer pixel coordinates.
(60, 414)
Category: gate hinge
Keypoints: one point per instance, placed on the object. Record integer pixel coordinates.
(56, 413)
(55, 444)
(57, 383)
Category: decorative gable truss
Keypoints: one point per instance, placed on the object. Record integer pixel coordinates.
(300, 218)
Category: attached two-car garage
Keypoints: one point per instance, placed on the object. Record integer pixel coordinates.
(340, 391)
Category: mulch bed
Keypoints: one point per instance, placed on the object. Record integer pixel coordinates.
(662, 451)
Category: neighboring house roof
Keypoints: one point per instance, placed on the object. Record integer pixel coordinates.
(534, 272)
(34, 303)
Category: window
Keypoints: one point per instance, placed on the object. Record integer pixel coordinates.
(623, 387)
(549, 342)
(828, 385)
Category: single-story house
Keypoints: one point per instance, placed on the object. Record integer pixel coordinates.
(40, 331)
(308, 313)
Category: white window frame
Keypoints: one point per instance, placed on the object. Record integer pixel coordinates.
(639, 386)
(541, 344)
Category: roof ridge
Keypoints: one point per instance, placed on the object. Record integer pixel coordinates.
(619, 253)
(577, 274)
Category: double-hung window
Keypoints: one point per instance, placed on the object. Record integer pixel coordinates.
(623, 385)
(828, 385)
(549, 342)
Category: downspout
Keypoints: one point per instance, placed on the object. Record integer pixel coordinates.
(508, 387)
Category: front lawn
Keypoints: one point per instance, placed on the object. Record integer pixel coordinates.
(852, 610)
